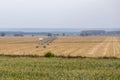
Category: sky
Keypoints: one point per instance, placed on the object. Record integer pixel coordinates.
(59, 14)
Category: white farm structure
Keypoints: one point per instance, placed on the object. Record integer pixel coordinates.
(46, 41)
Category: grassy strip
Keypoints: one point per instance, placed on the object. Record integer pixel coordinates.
(27, 68)
(37, 56)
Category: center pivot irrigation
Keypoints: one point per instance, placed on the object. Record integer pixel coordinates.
(45, 41)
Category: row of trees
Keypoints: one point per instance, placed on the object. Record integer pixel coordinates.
(3, 34)
(49, 34)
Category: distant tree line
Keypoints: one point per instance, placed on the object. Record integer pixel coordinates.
(93, 32)
(19, 35)
(2, 34)
(57, 34)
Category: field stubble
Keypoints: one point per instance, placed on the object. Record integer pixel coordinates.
(94, 46)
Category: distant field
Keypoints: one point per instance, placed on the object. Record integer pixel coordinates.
(25, 68)
(99, 46)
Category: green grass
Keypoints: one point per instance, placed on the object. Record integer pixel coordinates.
(26, 68)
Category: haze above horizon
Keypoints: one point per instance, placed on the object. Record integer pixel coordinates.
(82, 14)
(54, 29)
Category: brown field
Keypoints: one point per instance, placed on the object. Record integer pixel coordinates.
(99, 46)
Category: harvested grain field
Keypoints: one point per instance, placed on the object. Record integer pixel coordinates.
(95, 46)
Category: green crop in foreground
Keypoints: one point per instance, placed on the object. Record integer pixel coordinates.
(24, 68)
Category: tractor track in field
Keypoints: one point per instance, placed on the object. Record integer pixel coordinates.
(105, 49)
(98, 46)
(116, 47)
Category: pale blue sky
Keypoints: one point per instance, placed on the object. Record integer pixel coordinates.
(60, 13)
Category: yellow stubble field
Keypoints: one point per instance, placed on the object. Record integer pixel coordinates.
(92, 46)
